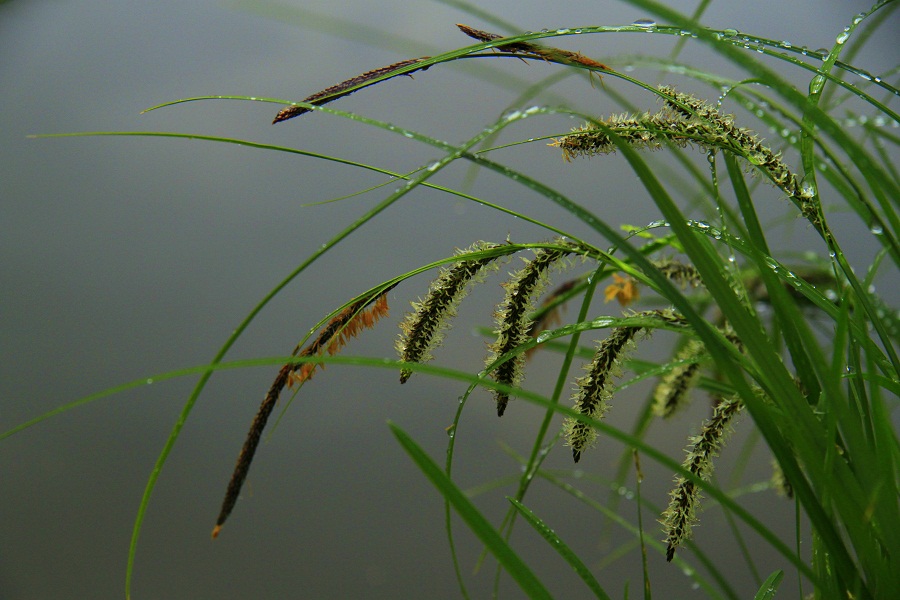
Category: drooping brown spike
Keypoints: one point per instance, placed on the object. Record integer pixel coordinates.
(362, 314)
(545, 52)
(346, 88)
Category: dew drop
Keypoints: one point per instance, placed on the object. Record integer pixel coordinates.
(808, 190)
(842, 37)
(729, 33)
(644, 23)
(563, 31)
(149, 380)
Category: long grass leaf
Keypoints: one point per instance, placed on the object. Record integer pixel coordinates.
(557, 544)
(505, 555)
(770, 586)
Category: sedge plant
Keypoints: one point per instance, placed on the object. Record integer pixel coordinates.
(802, 344)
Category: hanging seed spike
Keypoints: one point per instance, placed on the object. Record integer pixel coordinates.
(745, 143)
(422, 330)
(340, 90)
(595, 387)
(550, 317)
(672, 391)
(485, 36)
(680, 516)
(333, 332)
(513, 324)
(242, 468)
(547, 53)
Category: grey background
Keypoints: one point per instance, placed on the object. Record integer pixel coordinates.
(124, 258)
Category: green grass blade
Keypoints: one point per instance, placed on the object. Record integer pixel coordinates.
(479, 525)
(770, 586)
(557, 544)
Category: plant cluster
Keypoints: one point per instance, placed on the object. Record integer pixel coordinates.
(805, 346)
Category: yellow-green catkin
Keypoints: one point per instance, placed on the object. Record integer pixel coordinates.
(687, 121)
(644, 132)
(683, 274)
(595, 387)
(512, 316)
(743, 142)
(782, 486)
(674, 387)
(422, 330)
(681, 514)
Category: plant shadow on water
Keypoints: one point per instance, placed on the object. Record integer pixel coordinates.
(610, 340)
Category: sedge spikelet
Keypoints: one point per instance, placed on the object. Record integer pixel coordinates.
(345, 88)
(362, 314)
(527, 48)
(422, 329)
(644, 132)
(680, 516)
(778, 481)
(683, 274)
(672, 391)
(512, 316)
(744, 142)
(686, 121)
(550, 312)
(595, 387)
